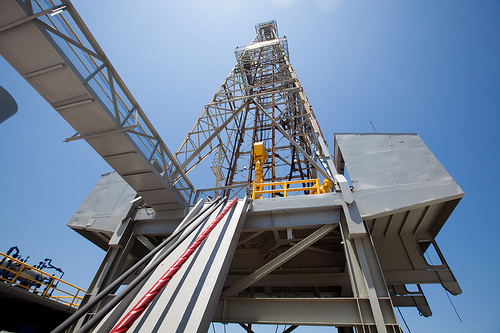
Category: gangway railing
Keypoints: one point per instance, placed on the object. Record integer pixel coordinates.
(59, 20)
(16, 273)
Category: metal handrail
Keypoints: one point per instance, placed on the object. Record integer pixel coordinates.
(285, 190)
(16, 275)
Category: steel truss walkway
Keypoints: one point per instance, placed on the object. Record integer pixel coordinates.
(50, 46)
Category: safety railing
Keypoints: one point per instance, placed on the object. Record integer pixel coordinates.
(284, 187)
(18, 274)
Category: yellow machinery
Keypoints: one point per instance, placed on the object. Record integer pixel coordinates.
(260, 156)
(323, 188)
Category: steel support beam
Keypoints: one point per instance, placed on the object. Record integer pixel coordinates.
(112, 265)
(367, 278)
(302, 311)
(318, 279)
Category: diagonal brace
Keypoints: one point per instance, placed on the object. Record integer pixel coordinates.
(32, 17)
(212, 136)
(279, 260)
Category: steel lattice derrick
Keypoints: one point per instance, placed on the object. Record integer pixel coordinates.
(260, 100)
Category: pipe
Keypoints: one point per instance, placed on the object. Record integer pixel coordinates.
(146, 300)
(115, 284)
(117, 298)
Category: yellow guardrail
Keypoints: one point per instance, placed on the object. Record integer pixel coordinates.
(17, 273)
(283, 187)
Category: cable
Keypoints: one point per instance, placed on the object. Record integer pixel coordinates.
(447, 293)
(453, 305)
(402, 317)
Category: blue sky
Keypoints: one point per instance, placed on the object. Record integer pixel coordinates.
(429, 67)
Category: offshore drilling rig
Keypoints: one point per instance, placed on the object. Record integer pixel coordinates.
(299, 244)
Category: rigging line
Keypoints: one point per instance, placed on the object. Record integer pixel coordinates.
(453, 305)
(402, 317)
(447, 294)
(213, 326)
